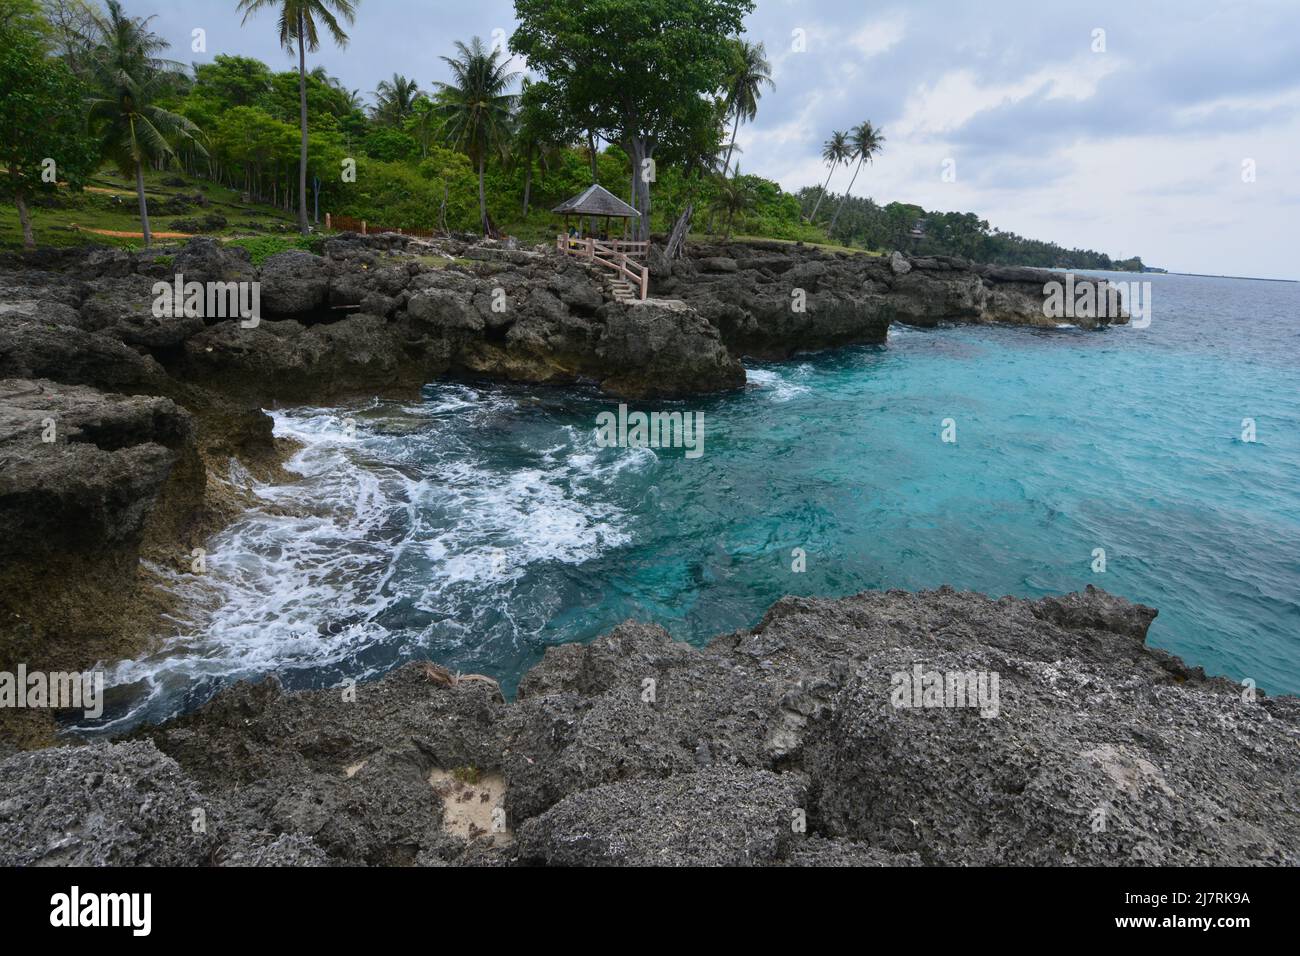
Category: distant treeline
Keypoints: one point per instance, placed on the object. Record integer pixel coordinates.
(906, 226)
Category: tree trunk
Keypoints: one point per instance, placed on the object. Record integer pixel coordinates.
(144, 205)
(677, 238)
(641, 151)
(735, 128)
(591, 151)
(482, 198)
(24, 217)
(818, 203)
(846, 197)
(528, 182)
(302, 120)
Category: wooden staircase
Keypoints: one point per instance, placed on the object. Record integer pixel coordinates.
(622, 290)
(631, 279)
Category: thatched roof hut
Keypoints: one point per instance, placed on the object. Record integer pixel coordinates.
(596, 200)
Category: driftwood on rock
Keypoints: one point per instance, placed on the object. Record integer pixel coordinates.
(677, 238)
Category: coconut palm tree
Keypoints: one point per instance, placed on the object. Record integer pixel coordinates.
(395, 100)
(298, 26)
(347, 101)
(835, 151)
(867, 142)
(475, 110)
(749, 75)
(736, 196)
(423, 123)
(129, 77)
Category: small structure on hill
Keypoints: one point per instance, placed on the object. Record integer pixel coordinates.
(916, 234)
(625, 257)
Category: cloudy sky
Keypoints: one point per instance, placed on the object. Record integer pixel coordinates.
(1141, 148)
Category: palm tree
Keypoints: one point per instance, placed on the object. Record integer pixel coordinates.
(346, 101)
(350, 100)
(835, 151)
(395, 101)
(475, 109)
(129, 77)
(298, 23)
(867, 142)
(735, 196)
(423, 123)
(745, 85)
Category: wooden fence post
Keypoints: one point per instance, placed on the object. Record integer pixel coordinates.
(363, 227)
(327, 221)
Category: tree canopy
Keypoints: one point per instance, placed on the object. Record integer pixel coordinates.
(43, 140)
(632, 70)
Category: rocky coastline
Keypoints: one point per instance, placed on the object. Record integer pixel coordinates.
(122, 436)
(148, 413)
(787, 744)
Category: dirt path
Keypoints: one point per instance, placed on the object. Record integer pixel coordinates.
(132, 235)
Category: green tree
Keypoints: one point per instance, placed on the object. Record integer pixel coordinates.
(233, 80)
(133, 130)
(42, 140)
(750, 72)
(390, 144)
(736, 196)
(867, 142)
(423, 123)
(476, 108)
(298, 26)
(262, 146)
(537, 136)
(836, 151)
(395, 100)
(634, 67)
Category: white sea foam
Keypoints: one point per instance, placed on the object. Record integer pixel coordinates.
(375, 523)
(780, 388)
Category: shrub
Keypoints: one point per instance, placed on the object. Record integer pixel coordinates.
(261, 248)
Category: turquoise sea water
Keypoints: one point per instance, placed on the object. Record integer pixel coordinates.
(484, 523)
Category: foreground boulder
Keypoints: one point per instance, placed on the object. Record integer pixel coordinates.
(816, 738)
(111, 805)
(85, 477)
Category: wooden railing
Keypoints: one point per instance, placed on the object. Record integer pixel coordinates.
(616, 254)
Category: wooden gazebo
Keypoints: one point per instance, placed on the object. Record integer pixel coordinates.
(632, 277)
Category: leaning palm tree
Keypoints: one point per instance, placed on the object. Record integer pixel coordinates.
(128, 77)
(835, 151)
(395, 100)
(475, 111)
(298, 25)
(748, 76)
(867, 142)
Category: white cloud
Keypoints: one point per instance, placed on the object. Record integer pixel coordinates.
(959, 96)
(879, 35)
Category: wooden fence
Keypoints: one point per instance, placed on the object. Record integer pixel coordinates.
(348, 224)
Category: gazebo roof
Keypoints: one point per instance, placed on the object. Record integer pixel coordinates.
(596, 201)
